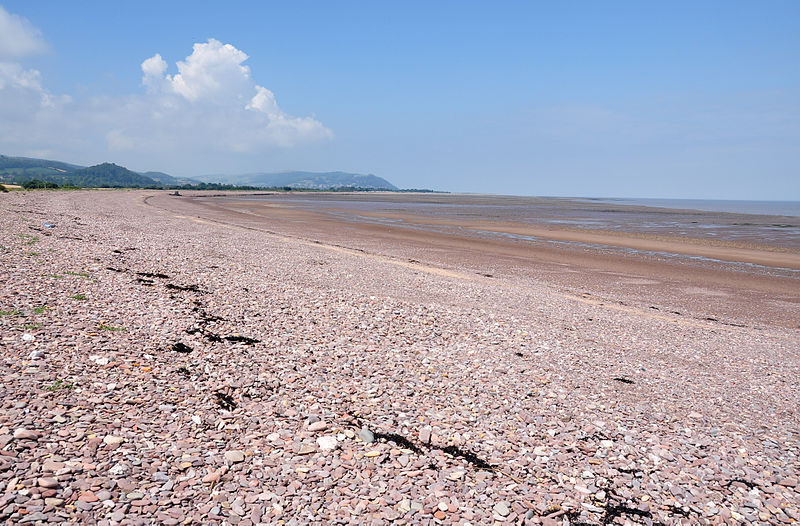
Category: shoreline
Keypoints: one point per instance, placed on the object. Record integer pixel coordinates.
(740, 294)
(533, 395)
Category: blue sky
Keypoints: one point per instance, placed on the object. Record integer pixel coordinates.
(629, 99)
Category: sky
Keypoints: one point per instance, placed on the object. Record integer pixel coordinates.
(602, 99)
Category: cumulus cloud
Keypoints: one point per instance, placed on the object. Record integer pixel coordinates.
(18, 37)
(210, 80)
(208, 108)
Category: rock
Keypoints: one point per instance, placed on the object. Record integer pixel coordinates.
(425, 435)
(366, 435)
(502, 509)
(318, 426)
(327, 443)
(51, 466)
(33, 517)
(213, 476)
(99, 360)
(112, 440)
(25, 434)
(48, 482)
(28, 337)
(789, 482)
(88, 496)
(234, 456)
(103, 495)
(36, 355)
(306, 449)
(117, 470)
(197, 419)
(54, 502)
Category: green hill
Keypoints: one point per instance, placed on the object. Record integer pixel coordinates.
(20, 170)
(109, 175)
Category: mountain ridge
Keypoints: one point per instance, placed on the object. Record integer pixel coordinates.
(20, 170)
(306, 180)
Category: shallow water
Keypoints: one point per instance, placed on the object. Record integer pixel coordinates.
(645, 216)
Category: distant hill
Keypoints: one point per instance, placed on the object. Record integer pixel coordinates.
(307, 180)
(167, 179)
(21, 169)
(108, 175)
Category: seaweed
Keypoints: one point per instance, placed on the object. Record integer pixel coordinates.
(623, 380)
(399, 440)
(242, 339)
(750, 485)
(208, 335)
(469, 456)
(225, 401)
(152, 275)
(189, 288)
(614, 511)
(181, 348)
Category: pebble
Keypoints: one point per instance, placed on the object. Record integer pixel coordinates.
(318, 426)
(327, 443)
(88, 496)
(234, 456)
(366, 435)
(502, 509)
(25, 434)
(48, 482)
(425, 435)
(112, 440)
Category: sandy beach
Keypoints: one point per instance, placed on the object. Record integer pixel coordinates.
(204, 360)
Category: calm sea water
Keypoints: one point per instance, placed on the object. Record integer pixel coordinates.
(774, 208)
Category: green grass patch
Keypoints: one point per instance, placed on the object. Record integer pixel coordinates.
(60, 385)
(78, 297)
(28, 239)
(57, 276)
(31, 326)
(81, 274)
(104, 327)
(13, 312)
(40, 309)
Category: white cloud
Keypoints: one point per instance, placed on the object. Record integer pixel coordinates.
(210, 112)
(211, 78)
(213, 72)
(153, 69)
(18, 38)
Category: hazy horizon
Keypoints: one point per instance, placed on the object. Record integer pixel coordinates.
(685, 101)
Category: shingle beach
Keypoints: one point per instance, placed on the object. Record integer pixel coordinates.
(160, 368)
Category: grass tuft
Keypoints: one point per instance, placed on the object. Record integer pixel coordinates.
(59, 385)
(104, 327)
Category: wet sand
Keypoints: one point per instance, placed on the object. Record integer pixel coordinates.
(732, 268)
